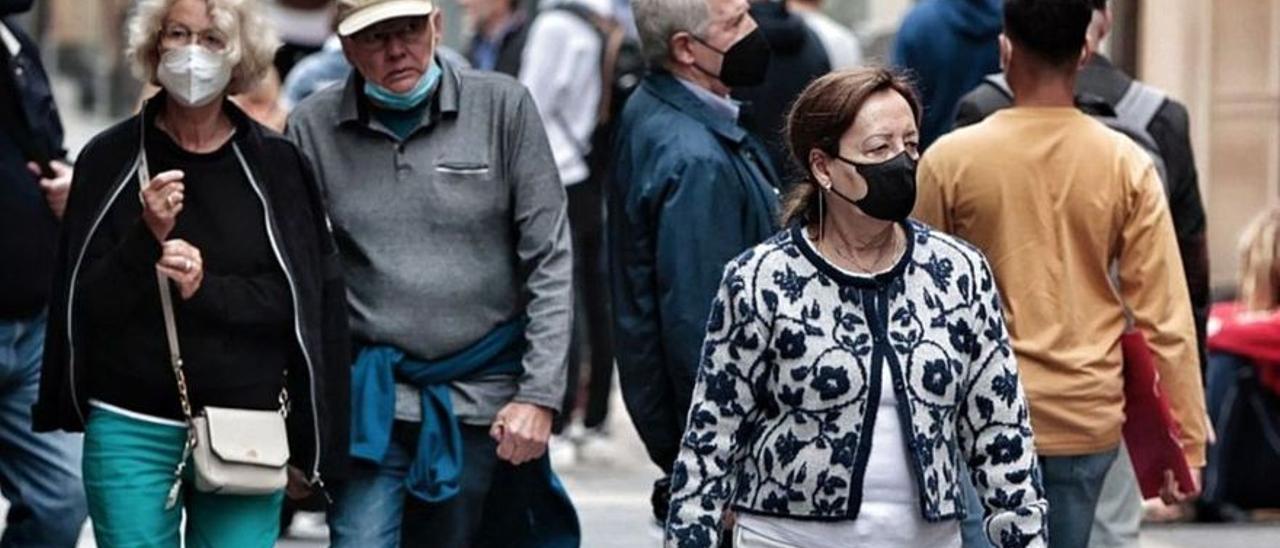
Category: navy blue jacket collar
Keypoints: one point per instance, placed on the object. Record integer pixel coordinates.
(663, 85)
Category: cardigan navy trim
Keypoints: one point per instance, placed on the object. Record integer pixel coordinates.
(843, 278)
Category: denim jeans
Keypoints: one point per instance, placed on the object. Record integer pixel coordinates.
(973, 529)
(1119, 507)
(372, 508)
(1072, 486)
(39, 473)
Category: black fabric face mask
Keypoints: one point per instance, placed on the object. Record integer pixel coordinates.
(745, 62)
(891, 187)
(10, 7)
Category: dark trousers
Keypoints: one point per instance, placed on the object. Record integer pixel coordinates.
(591, 331)
(374, 510)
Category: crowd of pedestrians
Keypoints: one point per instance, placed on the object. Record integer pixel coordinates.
(848, 304)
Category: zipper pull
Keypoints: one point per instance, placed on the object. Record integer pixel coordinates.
(319, 483)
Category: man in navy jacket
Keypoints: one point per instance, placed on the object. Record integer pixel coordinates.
(40, 473)
(691, 190)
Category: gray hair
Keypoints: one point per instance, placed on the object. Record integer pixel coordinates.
(251, 42)
(659, 20)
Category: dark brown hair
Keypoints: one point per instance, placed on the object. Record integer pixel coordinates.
(821, 115)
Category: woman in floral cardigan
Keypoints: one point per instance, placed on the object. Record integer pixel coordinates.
(856, 364)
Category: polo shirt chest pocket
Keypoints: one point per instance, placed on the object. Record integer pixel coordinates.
(470, 190)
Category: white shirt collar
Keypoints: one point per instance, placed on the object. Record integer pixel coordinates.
(721, 106)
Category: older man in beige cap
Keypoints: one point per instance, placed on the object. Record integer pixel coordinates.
(450, 217)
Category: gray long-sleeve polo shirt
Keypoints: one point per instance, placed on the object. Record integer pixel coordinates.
(451, 232)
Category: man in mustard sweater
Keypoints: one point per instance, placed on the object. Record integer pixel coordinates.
(1055, 199)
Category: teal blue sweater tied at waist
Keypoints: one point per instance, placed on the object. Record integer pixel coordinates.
(545, 518)
(435, 473)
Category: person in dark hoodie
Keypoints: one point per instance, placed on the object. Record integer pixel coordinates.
(948, 45)
(798, 58)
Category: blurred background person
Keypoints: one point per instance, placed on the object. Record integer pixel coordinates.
(1100, 87)
(1161, 124)
(262, 102)
(844, 50)
(1243, 378)
(1090, 202)
(691, 189)
(39, 473)
(797, 57)
(948, 46)
(315, 72)
(77, 32)
(303, 27)
(499, 29)
(564, 68)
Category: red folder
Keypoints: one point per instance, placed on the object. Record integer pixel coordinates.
(1150, 431)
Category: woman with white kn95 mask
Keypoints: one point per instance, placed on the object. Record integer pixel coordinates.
(200, 332)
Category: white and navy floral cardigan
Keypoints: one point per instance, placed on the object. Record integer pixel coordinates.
(790, 383)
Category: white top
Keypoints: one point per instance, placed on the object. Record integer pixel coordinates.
(136, 415)
(299, 26)
(890, 512)
(561, 68)
(843, 48)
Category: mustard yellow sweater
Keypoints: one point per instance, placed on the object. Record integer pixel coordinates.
(1055, 199)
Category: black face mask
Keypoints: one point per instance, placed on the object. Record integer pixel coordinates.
(891, 187)
(745, 62)
(10, 7)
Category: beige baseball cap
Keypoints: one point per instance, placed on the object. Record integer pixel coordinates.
(356, 15)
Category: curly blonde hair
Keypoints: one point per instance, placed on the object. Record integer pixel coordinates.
(251, 42)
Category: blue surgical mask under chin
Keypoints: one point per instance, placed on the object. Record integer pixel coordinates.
(408, 100)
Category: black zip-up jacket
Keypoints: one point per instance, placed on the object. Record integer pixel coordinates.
(319, 373)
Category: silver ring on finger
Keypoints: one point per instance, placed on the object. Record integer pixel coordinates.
(186, 265)
(171, 199)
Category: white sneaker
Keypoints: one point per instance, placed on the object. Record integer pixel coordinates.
(563, 452)
(597, 446)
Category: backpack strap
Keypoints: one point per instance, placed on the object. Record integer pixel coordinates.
(998, 81)
(1140, 104)
(988, 96)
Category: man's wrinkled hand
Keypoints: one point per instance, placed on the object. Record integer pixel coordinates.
(522, 431)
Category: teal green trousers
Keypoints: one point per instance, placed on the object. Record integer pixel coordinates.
(128, 469)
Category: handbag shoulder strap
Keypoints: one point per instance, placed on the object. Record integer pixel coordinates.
(170, 332)
(166, 296)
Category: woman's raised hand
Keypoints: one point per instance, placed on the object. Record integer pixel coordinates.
(162, 202)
